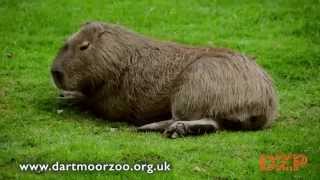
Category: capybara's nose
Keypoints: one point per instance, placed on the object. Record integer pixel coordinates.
(57, 75)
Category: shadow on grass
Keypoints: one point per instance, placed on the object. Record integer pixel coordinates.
(64, 110)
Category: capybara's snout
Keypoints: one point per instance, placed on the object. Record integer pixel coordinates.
(58, 76)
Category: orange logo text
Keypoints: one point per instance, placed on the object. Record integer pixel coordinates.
(282, 162)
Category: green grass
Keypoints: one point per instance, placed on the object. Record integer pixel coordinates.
(283, 35)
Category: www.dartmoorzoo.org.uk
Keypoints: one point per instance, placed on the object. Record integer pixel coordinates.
(61, 167)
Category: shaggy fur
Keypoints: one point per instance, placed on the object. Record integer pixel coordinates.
(124, 76)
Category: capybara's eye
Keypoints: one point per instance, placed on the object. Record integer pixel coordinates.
(84, 45)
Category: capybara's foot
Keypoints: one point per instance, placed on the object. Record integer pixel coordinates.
(156, 126)
(195, 127)
(70, 95)
(177, 129)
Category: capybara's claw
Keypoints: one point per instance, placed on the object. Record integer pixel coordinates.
(177, 129)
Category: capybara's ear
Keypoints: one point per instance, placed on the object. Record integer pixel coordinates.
(85, 23)
(101, 33)
(92, 24)
(95, 27)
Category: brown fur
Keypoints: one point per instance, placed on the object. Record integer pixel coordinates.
(125, 76)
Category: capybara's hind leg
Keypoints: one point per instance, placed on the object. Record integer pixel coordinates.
(242, 122)
(194, 127)
(156, 126)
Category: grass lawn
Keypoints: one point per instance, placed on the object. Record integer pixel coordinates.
(283, 35)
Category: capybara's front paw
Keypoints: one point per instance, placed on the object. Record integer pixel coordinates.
(177, 129)
(195, 127)
(70, 95)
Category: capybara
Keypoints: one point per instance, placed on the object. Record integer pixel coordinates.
(163, 86)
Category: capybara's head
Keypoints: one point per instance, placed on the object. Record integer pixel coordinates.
(85, 59)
